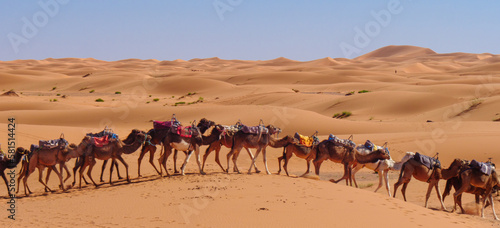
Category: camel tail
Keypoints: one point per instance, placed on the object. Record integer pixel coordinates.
(402, 170)
(447, 189)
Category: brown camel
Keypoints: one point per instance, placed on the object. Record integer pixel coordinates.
(6, 163)
(432, 176)
(72, 151)
(157, 137)
(478, 179)
(345, 154)
(300, 151)
(183, 143)
(248, 140)
(456, 183)
(225, 140)
(113, 150)
(49, 157)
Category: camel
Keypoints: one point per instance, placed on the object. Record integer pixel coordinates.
(347, 155)
(300, 151)
(183, 143)
(474, 177)
(6, 163)
(456, 183)
(225, 140)
(72, 151)
(420, 172)
(248, 140)
(382, 167)
(157, 137)
(49, 157)
(113, 150)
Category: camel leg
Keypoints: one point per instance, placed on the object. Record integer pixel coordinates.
(279, 164)
(428, 194)
(110, 171)
(103, 168)
(68, 174)
(264, 153)
(346, 175)
(386, 179)
(287, 158)
(253, 161)
(144, 150)
(29, 171)
(197, 154)
(217, 160)
(6, 183)
(462, 189)
(40, 177)
(163, 160)
(175, 162)
(252, 157)
(403, 190)
(89, 172)
(235, 158)
(60, 177)
(117, 170)
(185, 161)
(355, 170)
(317, 164)
(380, 181)
(438, 192)
(493, 206)
(308, 162)
(120, 158)
(21, 175)
(151, 158)
(47, 178)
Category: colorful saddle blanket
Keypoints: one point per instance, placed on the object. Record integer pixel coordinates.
(485, 168)
(429, 162)
(102, 138)
(50, 144)
(165, 124)
(343, 142)
(372, 147)
(306, 140)
(254, 130)
(182, 131)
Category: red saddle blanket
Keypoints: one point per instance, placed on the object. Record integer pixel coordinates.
(187, 131)
(101, 141)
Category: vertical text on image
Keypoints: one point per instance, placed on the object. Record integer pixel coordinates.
(11, 134)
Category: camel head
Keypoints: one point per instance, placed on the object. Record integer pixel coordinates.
(204, 125)
(273, 129)
(22, 151)
(382, 153)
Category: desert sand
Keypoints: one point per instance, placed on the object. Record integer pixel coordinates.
(417, 100)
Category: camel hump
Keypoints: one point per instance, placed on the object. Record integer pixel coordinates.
(50, 144)
(485, 167)
(427, 161)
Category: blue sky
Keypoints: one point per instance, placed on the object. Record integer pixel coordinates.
(241, 29)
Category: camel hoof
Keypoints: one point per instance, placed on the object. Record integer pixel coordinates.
(257, 171)
(120, 178)
(203, 173)
(175, 171)
(332, 180)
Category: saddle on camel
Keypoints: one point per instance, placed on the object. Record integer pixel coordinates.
(102, 138)
(307, 141)
(348, 143)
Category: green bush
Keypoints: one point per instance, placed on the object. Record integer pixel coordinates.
(99, 100)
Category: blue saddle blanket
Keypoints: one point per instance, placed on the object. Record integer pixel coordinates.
(344, 142)
(53, 143)
(429, 162)
(485, 168)
(110, 134)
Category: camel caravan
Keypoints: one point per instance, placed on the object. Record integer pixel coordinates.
(472, 177)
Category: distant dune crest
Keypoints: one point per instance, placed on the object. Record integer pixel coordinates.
(406, 51)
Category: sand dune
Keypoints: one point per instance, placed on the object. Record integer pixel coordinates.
(411, 97)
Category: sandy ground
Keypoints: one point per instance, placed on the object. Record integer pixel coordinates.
(418, 100)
